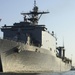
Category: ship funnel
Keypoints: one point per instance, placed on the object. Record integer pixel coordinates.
(61, 52)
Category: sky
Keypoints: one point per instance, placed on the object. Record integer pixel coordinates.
(61, 18)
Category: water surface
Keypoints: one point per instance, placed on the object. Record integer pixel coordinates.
(64, 73)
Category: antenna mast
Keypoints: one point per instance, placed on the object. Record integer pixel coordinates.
(34, 15)
(63, 42)
(34, 3)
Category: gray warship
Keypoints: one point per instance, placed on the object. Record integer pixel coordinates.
(28, 47)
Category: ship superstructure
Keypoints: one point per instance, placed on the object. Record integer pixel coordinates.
(29, 47)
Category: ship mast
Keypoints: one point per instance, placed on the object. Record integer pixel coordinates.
(34, 15)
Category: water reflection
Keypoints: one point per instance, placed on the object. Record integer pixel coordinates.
(64, 73)
(68, 73)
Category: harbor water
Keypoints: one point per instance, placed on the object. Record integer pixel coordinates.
(64, 73)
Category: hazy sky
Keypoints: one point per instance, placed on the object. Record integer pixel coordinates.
(61, 18)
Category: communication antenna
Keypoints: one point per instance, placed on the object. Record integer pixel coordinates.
(63, 42)
(34, 3)
(0, 20)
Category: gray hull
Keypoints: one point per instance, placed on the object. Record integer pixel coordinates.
(29, 61)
